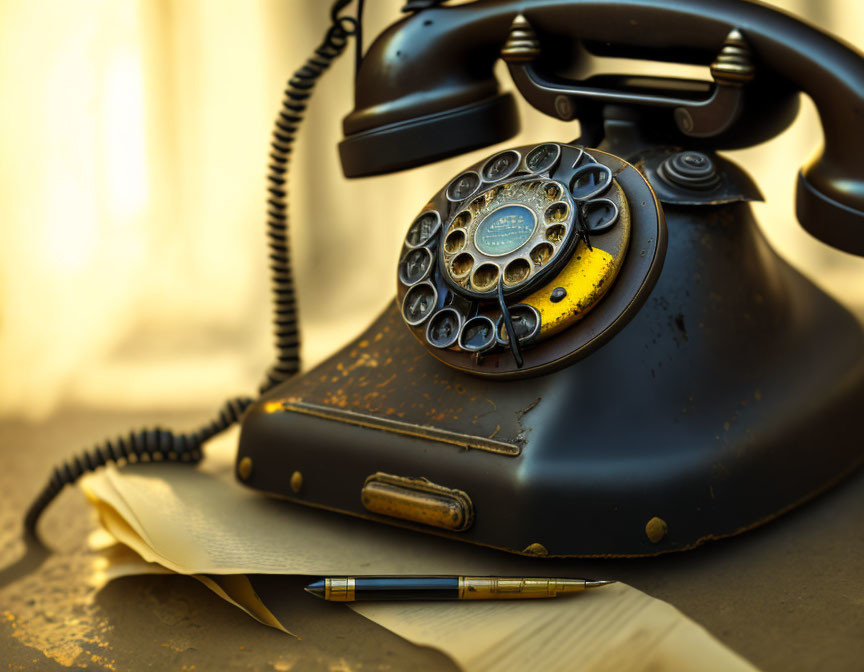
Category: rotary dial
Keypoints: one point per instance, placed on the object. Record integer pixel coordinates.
(515, 249)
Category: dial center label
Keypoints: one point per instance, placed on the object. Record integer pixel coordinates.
(505, 230)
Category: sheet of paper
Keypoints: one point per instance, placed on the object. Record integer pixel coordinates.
(613, 629)
(201, 522)
(117, 560)
(616, 629)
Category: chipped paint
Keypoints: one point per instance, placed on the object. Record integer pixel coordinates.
(522, 436)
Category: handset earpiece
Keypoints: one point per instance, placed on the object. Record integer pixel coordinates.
(426, 91)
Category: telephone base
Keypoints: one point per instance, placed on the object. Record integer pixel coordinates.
(733, 395)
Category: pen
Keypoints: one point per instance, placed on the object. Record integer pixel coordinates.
(358, 588)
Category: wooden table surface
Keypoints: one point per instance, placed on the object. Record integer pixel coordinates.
(789, 596)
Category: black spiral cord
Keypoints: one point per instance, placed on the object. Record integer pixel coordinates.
(160, 445)
(146, 445)
(290, 116)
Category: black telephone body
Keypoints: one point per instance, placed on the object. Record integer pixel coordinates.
(593, 351)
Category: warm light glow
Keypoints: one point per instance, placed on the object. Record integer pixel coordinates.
(134, 139)
(124, 136)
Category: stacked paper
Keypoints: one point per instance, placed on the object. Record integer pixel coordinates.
(200, 522)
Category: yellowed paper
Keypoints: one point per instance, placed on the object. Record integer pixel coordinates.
(131, 557)
(237, 590)
(201, 522)
(612, 629)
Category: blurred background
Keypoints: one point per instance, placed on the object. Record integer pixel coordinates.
(133, 150)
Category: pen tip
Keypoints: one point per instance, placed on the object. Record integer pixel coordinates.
(316, 589)
(597, 584)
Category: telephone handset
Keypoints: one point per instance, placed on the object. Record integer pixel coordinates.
(431, 75)
(593, 351)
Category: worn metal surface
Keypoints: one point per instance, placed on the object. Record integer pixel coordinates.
(418, 500)
(789, 597)
(703, 411)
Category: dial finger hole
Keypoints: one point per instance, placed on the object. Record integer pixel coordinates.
(485, 277)
(443, 329)
(600, 215)
(461, 265)
(461, 221)
(478, 334)
(501, 165)
(463, 186)
(526, 324)
(590, 180)
(557, 212)
(516, 271)
(542, 253)
(415, 266)
(478, 203)
(552, 191)
(422, 229)
(555, 233)
(419, 302)
(454, 241)
(543, 157)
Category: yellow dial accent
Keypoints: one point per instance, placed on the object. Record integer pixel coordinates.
(587, 276)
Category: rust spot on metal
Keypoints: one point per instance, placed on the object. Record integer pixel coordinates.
(406, 379)
(384, 383)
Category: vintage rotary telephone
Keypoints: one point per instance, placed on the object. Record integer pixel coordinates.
(592, 351)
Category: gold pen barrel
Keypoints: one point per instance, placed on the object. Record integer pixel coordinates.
(351, 589)
(503, 588)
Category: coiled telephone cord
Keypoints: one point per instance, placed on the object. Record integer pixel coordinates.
(297, 94)
(159, 445)
(146, 445)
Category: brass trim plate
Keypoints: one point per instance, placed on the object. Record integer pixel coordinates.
(395, 426)
(418, 500)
